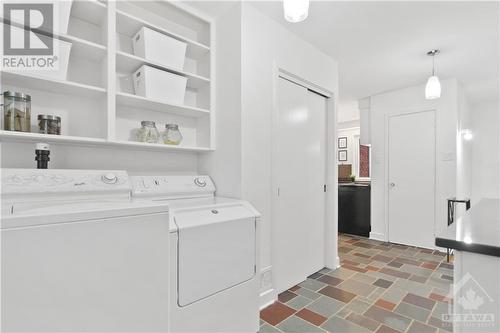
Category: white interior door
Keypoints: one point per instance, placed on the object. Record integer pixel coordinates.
(300, 172)
(412, 154)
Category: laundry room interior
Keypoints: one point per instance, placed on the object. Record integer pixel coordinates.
(275, 166)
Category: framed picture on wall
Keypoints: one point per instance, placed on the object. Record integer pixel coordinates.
(342, 142)
(342, 155)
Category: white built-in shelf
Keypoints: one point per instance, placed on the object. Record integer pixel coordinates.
(129, 63)
(52, 85)
(129, 25)
(80, 47)
(8, 136)
(102, 110)
(36, 137)
(140, 102)
(84, 49)
(157, 146)
(92, 11)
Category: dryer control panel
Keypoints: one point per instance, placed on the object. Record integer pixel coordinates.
(173, 187)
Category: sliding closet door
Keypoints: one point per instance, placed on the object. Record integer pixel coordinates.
(299, 172)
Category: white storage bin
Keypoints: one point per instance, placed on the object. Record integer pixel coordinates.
(64, 14)
(156, 84)
(159, 48)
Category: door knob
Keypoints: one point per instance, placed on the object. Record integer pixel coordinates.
(392, 184)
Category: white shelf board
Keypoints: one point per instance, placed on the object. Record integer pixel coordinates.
(52, 85)
(85, 49)
(156, 146)
(129, 25)
(140, 102)
(9, 136)
(129, 63)
(92, 11)
(81, 47)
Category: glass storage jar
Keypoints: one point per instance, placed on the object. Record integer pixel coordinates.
(148, 132)
(49, 124)
(172, 135)
(16, 112)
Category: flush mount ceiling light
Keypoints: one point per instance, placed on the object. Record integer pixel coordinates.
(433, 87)
(296, 10)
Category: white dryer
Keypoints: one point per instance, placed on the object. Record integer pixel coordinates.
(214, 280)
(78, 255)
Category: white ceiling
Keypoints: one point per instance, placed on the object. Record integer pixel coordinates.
(381, 46)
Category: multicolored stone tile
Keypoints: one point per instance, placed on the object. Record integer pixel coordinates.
(379, 288)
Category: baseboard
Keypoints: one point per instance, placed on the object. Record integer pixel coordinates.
(268, 295)
(377, 236)
(267, 298)
(337, 263)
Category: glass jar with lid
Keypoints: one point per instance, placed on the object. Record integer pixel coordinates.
(172, 135)
(148, 132)
(16, 111)
(49, 124)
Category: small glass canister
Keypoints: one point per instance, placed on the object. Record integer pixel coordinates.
(49, 124)
(172, 135)
(148, 132)
(16, 112)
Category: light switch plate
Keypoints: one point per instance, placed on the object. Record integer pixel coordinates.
(448, 156)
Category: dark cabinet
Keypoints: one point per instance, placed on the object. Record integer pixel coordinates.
(354, 209)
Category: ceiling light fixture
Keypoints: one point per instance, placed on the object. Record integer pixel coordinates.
(296, 10)
(433, 86)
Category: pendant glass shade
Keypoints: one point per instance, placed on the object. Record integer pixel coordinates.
(433, 88)
(296, 10)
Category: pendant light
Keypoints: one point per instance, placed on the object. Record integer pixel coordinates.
(296, 10)
(433, 87)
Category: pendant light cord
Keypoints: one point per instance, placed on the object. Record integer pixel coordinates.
(433, 58)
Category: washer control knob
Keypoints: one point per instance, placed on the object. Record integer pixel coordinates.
(109, 178)
(200, 182)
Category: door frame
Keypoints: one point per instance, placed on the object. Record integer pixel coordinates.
(331, 236)
(387, 166)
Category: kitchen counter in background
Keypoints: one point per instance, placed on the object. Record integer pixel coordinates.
(354, 208)
(478, 231)
(475, 238)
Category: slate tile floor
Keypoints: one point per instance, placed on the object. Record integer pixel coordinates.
(380, 287)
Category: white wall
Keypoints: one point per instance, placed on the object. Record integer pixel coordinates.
(464, 148)
(348, 124)
(407, 100)
(348, 111)
(266, 44)
(224, 165)
(352, 135)
(485, 151)
(22, 155)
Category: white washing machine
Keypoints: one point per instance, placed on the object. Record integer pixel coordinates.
(214, 280)
(78, 255)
